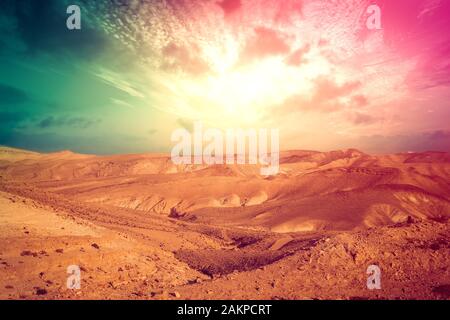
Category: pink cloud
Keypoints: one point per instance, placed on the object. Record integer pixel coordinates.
(297, 57)
(325, 98)
(265, 42)
(360, 118)
(230, 6)
(182, 59)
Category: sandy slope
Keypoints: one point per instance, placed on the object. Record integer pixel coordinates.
(142, 228)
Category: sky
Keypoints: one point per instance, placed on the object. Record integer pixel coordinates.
(137, 70)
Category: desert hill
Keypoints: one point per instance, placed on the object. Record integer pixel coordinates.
(141, 227)
(334, 190)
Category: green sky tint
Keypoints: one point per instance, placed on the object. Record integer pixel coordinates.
(63, 90)
(139, 69)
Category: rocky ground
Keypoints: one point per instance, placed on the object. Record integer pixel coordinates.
(196, 250)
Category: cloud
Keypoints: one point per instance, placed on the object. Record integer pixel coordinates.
(122, 103)
(186, 124)
(327, 89)
(360, 118)
(115, 81)
(287, 9)
(10, 95)
(433, 69)
(230, 6)
(77, 122)
(297, 57)
(185, 59)
(359, 101)
(326, 97)
(265, 43)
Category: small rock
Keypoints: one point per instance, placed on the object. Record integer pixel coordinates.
(28, 253)
(41, 292)
(96, 246)
(138, 293)
(159, 294)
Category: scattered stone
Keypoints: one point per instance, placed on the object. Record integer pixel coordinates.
(41, 292)
(163, 294)
(28, 253)
(96, 246)
(59, 250)
(117, 284)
